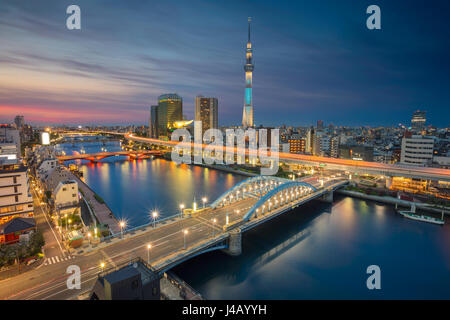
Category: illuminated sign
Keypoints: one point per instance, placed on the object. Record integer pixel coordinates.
(45, 138)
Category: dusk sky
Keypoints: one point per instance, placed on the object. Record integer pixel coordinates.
(313, 60)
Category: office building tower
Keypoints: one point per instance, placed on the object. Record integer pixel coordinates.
(418, 120)
(169, 111)
(206, 111)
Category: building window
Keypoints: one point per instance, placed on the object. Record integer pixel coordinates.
(14, 180)
(17, 198)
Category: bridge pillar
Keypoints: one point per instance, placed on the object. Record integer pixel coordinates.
(234, 243)
(327, 197)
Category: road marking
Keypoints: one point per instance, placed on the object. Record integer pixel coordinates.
(56, 259)
(45, 216)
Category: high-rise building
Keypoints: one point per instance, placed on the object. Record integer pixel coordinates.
(153, 125)
(319, 124)
(15, 199)
(296, 144)
(19, 121)
(334, 147)
(418, 120)
(9, 134)
(247, 116)
(206, 112)
(417, 150)
(170, 110)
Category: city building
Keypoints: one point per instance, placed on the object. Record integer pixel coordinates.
(418, 120)
(65, 197)
(310, 140)
(19, 122)
(16, 229)
(15, 197)
(153, 125)
(169, 111)
(334, 147)
(296, 144)
(46, 167)
(8, 152)
(417, 150)
(134, 281)
(206, 111)
(8, 135)
(356, 152)
(319, 124)
(247, 116)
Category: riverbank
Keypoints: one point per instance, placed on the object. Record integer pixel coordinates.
(393, 201)
(226, 169)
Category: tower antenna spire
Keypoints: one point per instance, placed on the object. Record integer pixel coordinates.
(249, 20)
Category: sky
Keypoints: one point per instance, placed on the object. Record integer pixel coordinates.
(313, 60)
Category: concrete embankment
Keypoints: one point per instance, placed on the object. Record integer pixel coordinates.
(101, 211)
(173, 288)
(394, 201)
(227, 169)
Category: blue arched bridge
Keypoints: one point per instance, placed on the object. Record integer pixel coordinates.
(219, 225)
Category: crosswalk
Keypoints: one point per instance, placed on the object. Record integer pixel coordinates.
(56, 259)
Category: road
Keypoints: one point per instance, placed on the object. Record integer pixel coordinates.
(49, 281)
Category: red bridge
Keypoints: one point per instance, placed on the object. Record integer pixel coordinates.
(94, 157)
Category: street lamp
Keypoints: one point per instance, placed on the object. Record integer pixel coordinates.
(70, 221)
(149, 246)
(181, 210)
(204, 201)
(102, 266)
(122, 225)
(185, 232)
(214, 223)
(154, 216)
(65, 220)
(89, 237)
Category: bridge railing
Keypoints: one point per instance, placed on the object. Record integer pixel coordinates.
(143, 226)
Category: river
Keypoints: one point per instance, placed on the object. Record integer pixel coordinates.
(318, 251)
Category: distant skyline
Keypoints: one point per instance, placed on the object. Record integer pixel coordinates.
(313, 60)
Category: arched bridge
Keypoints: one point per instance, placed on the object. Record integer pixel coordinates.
(219, 226)
(94, 157)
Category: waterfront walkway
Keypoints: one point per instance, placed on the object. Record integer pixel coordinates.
(101, 210)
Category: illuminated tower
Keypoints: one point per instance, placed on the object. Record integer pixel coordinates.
(247, 116)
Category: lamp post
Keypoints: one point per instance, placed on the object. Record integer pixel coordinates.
(181, 210)
(65, 220)
(154, 216)
(122, 225)
(214, 225)
(149, 246)
(89, 237)
(102, 265)
(185, 232)
(204, 201)
(70, 221)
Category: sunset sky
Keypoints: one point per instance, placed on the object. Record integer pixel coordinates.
(313, 60)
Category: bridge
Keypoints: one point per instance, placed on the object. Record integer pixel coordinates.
(178, 238)
(95, 157)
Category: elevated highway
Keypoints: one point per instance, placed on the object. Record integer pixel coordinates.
(354, 166)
